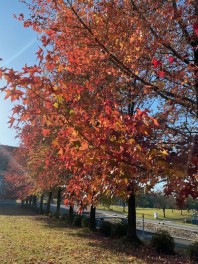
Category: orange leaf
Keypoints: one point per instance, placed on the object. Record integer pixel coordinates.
(61, 152)
(155, 122)
(12, 119)
(45, 132)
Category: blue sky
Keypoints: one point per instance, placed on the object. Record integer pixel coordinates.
(18, 46)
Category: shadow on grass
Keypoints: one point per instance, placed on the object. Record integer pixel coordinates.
(96, 240)
(16, 210)
(134, 253)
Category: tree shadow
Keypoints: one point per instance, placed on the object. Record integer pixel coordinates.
(16, 210)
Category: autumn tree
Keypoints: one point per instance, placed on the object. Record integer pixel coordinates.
(18, 184)
(43, 163)
(100, 62)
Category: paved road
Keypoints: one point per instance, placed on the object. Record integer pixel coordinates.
(110, 214)
(153, 221)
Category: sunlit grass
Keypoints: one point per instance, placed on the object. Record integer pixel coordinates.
(174, 215)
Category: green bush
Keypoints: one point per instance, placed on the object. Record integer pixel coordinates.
(85, 222)
(106, 228)
(162, 242)
(77, 221)
(193, 252)
(119, 230)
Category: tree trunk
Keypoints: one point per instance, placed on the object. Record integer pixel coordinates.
(124, 205)
(34, 202)
(22, 203)
(164, 212)
(181, 211)
(48, 203)
(92, 223)
(58, 202)
(41, 204)
(26, 201)
(30, 201)
(71, 214)
(131, 231)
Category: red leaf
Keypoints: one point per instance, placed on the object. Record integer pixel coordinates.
(47, 162)
(195, 27)
(12, 119)
(161, 74)
(171, 60)
(27, 23)
(156, 63)
(45, 132)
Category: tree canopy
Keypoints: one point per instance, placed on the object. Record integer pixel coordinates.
(112, 103)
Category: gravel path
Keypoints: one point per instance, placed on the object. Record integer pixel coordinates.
(176, 232)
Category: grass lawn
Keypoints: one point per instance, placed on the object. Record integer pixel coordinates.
(29, 238)
(149, 212)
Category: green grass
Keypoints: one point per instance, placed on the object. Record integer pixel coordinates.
(170, 216)
(29, 238)
(149, 213)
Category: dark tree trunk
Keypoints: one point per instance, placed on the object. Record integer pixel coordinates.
(124, 205)
(58, 202)
(71, 214)
(26, 201)
(172, 210)
(30, 201)
(22, 203)
(34, 202)
(131, 231)
(41, 204)
(48, 203)
(164, 212)
(181, 211)
(92, 223)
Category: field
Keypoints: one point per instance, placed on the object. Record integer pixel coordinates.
(149, 213)
(29, 238)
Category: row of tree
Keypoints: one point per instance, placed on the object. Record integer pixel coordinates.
(111, 106)
(155, 199)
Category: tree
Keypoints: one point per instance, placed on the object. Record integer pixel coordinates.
(18, 185)
(163, 202)
(183, 167)
(95, 72)
(192, 204)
